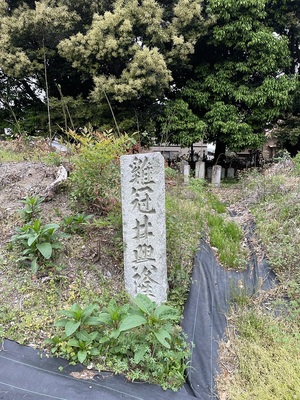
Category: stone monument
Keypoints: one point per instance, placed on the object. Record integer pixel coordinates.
(200, 170)
(230, 172)
(186, 173)
(216, 175)
(144, 227)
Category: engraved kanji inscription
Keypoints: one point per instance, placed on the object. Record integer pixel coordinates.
(143, 228)
(144, 234)
(142, 171)
(142, 200)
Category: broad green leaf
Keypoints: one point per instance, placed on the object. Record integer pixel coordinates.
(76, 308)
(26, 252)
(83, 336)
(67, 313)
(161, 335)
(92, 321)
(104, 339)
(115, 334)
(94, 352)
(45, 249)
(112, 306)
(89, 310)
(36, 225)
(139, 354)
(82, 354)
(61, 322)
(56, 245)
(32, 239)
(71, 327)
(104, 318)
(144, 303)
(94, 335)
(73, 342)
(132, 321)
(164, 312)
(51, 227)
(34, 266)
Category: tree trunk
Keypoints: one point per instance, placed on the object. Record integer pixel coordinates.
(219, 152)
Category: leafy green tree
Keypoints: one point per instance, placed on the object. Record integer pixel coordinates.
(285, 14)
(29, 34)
(132, 50)
(181, 125)
(239, 86)
(129, 51)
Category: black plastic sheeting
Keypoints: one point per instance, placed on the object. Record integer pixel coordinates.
(211, 292)
(28, 374)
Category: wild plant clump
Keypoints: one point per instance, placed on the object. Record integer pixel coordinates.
(95, 181)
(296, 161)
(37, 241)
(140, 339)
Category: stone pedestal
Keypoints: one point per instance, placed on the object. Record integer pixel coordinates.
(144, 228)
(230, 172)
(216, 175)
(200, 170)
(186, 174)
(209, 173)
(223, 173)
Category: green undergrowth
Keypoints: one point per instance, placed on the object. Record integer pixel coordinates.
(139, 339)
(260, 359)
(33, 304)
(7, 155)
(226, 237)
(35, 150)
(266, 363)
(192, 213)
(277, 216)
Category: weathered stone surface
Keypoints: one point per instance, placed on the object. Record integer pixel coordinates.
(186, 174)
(230, 172)
(200, 170)
(223, 173)
(209, 173)
(144, 228)
(216, 175)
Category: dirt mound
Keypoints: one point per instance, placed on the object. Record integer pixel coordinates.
(21, 179)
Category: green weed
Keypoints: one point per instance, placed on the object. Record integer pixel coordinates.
(226, 236)
(7, 155)
(296, 161)
(184, 224)
(140, 339)
(31, 209)
(75, 223)
(267, 364)
(37, 241)
(52, 158)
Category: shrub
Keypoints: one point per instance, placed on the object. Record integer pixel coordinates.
(95, 181)
(297, 163)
